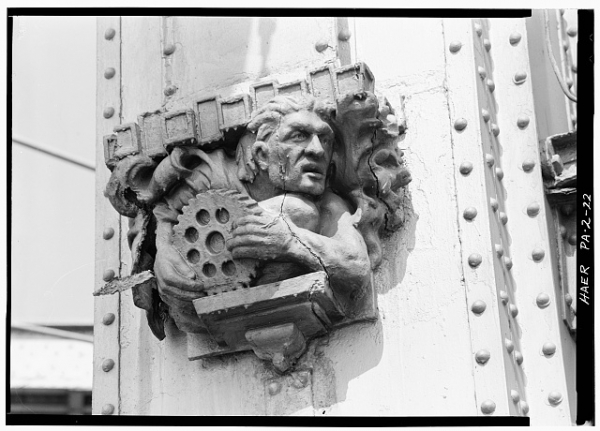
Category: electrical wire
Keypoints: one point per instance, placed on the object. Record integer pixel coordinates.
(563, 86)
(56, 153)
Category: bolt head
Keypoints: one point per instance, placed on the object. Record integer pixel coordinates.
(170, 90)
(514, 38)
(488, 407)
(321, 45)
(460, 124)
(528, 165)
(538, 254)
(515, 396)
(554, 398)
(485, 114)
(344, 35)
(482, 356)
(566, 45)
(489, 159)
(495, 129)
(109, 72)
(499, 174)
(274, 388)
(572, 239)
(524, 406)
(465, 168)
(503, 218)
(455, 46)
(568, 299)
(108, 409)
(108, 319)
(108, 112)
(491, 86)
(475, 260)
(510, 347)
(574, 68)
(107, 365)
(499, 250)
(549, 349)
(508, 262)
(478, 307)
(478, 29)
(518, 357)
(542, 300)
(108, 233)
(533, 209)
(108, 275)
(523, 122)
(514, 311)
(494, 204)
(569, 82)
(487, 44)
(482, 72)
(572, 31)
(470, 213)
(169, 49)
(109, 33)
(520, 77)
(503, 297)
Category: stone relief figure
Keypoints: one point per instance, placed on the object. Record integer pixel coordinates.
(312, 185)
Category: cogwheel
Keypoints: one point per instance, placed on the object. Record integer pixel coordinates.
(202, 232)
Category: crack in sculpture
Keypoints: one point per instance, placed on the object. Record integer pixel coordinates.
(326, 177)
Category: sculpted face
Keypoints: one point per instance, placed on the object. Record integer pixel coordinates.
(299, 152)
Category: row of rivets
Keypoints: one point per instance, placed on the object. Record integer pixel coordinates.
(109, 34)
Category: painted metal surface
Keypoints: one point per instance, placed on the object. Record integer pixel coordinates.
(108, 255)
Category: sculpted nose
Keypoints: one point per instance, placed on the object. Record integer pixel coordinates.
(315, 147)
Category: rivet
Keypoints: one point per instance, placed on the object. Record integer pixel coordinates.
(470, 213)
(499, 250)
(508, 262)
(538, 254)
(489, 159)
(562, 12)
(510, 347)
(485, 114)
(169, 49)
(572, 32)
(566, 45)
(542, 300)
(109, 33)
(554, 398)
(109, 72)
(503, 218)
(478, 29)
(567, 209)
(494, 204)
(515, 396)
(499, 174)
(522, 122)
(108, 409)
(108, 112)
(170, 90)
(455, 46)
(488, 407)
(549, 349)
(321, 45)
(533, 209)
(503, 297)
(108, 275)
(528, 165)
(482, 356)
(574, 68)
(569, 82)
(487, 44)
(568, 299)
(107, 365)
(514, 38)
(108, 319)
(491, 85)
(518, 357)
(475, 260)
(495, 129)
(514, 311)
(572, 239)
(520, 78)
(524, 407)
(563, 231)
(465, 168)
(274, 388)
(344, 34)
(482, 72)
(478, 307)
(108, 233)
(460, 124)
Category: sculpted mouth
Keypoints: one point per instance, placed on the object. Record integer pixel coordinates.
(313, 168)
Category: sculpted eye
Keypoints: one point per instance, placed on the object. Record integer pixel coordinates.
(299, 136)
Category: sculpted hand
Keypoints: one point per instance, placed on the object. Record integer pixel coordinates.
(263, 236)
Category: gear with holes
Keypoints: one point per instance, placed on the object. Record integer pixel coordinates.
(202, 232)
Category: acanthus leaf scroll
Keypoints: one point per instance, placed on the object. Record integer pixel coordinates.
(261, 225)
